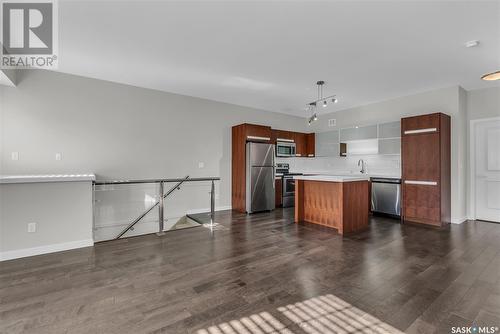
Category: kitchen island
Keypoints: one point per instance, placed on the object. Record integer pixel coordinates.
(339, 202)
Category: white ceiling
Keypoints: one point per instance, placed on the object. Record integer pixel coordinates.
(269, 55)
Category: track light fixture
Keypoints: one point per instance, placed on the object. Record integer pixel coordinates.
(311, 107)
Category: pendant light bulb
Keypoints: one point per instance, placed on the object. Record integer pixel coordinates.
(334, 100)
(325, 104)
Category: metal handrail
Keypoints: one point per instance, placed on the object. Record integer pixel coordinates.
(193, 179)
(162, 196)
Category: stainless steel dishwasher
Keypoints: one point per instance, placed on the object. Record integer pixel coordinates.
(386, 196)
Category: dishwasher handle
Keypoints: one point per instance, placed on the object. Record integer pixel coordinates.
(385, 180)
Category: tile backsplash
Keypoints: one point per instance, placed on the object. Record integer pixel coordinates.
(389, 165)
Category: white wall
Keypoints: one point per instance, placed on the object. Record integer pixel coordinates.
(450, 101)
(481, 104)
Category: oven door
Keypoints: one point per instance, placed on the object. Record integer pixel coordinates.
(285, 149)
(288, 186)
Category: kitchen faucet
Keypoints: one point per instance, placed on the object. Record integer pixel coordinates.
(362, 163)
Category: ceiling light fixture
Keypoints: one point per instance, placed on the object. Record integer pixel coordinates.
(491, 76)
(311, 106)
(472, 44)
(314, 117)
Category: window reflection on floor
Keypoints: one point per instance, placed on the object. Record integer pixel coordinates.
(326, 314)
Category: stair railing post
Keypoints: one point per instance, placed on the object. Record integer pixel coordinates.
(212, 203)
(160, 210)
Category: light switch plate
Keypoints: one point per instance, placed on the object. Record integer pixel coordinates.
(14, 155)
(58, 156)
(201, 165)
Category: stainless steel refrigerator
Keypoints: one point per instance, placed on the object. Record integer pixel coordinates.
(260, 190)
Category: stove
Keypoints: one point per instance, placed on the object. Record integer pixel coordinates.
(288, 184)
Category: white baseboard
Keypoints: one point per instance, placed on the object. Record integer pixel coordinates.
(18, 253)
(459, 220)
(219, 208)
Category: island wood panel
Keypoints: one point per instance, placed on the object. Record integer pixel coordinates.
(340, 205)
(355, 199)
(322, 203)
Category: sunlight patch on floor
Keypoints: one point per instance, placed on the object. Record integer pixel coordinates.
(326, 314)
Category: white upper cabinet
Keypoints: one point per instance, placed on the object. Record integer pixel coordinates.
(327, 144)
(389, 130)
(358, 133)
(389, 146)
(383, 138)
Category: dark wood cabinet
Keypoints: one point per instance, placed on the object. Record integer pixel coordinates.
(304, 142)
(310, 144)
(278, 192)
(300, 144)
(240, 135)
(257, 133)
(287, 135)
(426, 172)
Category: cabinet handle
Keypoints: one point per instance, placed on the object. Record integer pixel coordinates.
(285, 140)
(409, 132)
(259, 138)
(423, 183)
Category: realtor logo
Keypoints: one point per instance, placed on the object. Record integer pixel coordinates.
(28, 34)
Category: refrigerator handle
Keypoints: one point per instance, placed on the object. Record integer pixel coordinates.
(274, 167)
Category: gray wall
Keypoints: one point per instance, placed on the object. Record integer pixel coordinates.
(483, 103)
(61, 210)
(119, 131)
(450, 101)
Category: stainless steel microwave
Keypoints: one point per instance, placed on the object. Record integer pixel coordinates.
(285, 149)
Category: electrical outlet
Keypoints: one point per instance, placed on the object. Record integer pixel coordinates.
(31, 227)
(58, 156)
(201, 165)
(14, 155)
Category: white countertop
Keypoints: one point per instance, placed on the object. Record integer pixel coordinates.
(7, 179)
(327, 173)
(332, 178)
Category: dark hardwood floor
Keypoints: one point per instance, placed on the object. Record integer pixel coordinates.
(262, 274)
